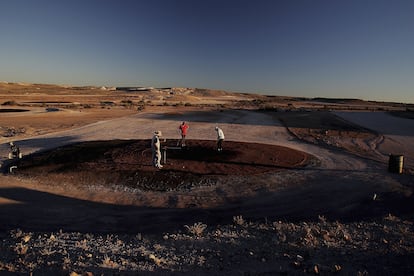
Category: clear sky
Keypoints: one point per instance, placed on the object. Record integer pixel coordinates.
(311, 48)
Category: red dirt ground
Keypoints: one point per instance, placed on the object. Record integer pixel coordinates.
(128, 162)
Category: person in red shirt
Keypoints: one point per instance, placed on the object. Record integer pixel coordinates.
(183, 129)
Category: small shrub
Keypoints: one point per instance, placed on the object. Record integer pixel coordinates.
(196, 229)
(238, 220)
(21, 249)
(108, 263)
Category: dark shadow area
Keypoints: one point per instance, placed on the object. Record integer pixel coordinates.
(315, 120)
(8, 165)
(336, 198)
(10, 110)
(322, 120)
(42, 144)
(387, 123)
(40, 211)
(222, 116)
(46, 143)
(207, 153)
(403, 114)
(33, 210)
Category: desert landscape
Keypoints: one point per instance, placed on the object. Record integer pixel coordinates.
(302, 186)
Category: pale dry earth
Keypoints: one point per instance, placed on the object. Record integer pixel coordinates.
(397, 134)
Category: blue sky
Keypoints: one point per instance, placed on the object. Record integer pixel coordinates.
(311, 48)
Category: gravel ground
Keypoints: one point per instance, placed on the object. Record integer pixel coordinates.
(379, 247)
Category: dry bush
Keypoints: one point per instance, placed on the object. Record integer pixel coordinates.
(155, 259)
(238, 220)
(108, 263)
(196, 229)
(21, 249)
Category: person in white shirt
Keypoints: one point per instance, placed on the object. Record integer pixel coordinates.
(220, 138)
(156, 149)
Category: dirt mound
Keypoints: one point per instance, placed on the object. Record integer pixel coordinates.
(129, 163)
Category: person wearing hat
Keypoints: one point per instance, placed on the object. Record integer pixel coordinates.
(220, 138)
(156, 149)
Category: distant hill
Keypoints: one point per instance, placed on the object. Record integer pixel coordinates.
(182, 95)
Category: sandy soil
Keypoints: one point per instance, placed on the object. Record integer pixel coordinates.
(335, 185)
(397, 134)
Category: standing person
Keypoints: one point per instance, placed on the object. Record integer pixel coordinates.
(156, 149)
(220, 138)
(14, 151)
(183, 129)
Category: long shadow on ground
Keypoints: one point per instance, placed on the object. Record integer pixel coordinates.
(33, 210)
